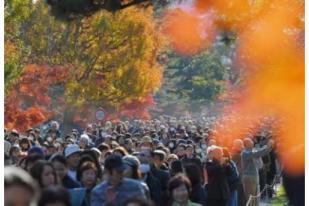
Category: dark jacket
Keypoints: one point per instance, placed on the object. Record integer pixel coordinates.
(70, 183)
(198, 194)
(218, 187)
(163, 176)
(154, 186)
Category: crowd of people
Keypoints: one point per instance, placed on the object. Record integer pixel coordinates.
(136, 163)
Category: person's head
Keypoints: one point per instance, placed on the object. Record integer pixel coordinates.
(83, 142)
(54, 125)
(13, 136)
(171, 158)
(114, 168)
(19, 187)
(60, 164)
(15, 151)
(179, 188)
(55, 196)
(248, 143)
(36, 150)
(194, 173)
(212, 142)
(44, 172)
(121, 151)
(216, 153)
(238, 145)
(158, 157)
(87, 174)
(135, 201)
(146, 142)
(132, 169)
(31, 160)
(190, 150)
(176, 167)
(24, 144)
(181, 150)
(72, 154)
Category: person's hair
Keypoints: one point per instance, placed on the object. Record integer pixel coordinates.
(14, 176)
(176, 182)
(86, 166)
(38, 168)
(136, 173)
(90, 157)
(226, 153)
(58, 158)
(194, 173)
(121, 150)
(103, 146)
(55, 194)
(176, 167)
(109, 152)
(139, 201)
(14, 148)
(32, 159)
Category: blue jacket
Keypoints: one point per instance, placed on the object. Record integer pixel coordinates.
(128, 188)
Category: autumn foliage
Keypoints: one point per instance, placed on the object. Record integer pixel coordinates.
(29, 103)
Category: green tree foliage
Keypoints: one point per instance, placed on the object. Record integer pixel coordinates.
(193, 82)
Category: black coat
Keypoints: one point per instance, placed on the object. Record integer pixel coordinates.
(198, 194)
(155, 188)
(218, 187)
(70, 183)
(163, 176)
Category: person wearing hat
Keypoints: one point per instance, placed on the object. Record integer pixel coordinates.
(158, 157)
(116, 189)
(72, 155)
(132, 171)
(13, 136)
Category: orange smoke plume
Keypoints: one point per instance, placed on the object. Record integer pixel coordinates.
(275, 86)
(270, 51)
(188, 31)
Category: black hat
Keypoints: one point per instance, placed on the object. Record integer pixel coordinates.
(114, 162)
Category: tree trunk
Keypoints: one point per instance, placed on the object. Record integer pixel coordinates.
(67, 121)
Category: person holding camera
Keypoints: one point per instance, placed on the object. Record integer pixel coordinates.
(250, 168)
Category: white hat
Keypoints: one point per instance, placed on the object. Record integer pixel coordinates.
(71, 149)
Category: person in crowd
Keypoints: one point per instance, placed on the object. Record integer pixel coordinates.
(163, 176)
(15, 154)
(53, 131)
(179, 188)
(24, 144)
(132, 171)
(116, 189)
(30, 160)
(60, 164)
(103, 147)
(250, 175)
(55, 196)
(237, 148)
(218, 170)
(233, 178)
(13, 137)
(198, 193)
(72, 155)
(121, 151)
(87, 174)
(44, 172)
(19, 187)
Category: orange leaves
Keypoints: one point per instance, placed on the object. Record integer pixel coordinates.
(28, 102)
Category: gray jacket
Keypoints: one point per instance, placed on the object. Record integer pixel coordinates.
(249, 160)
